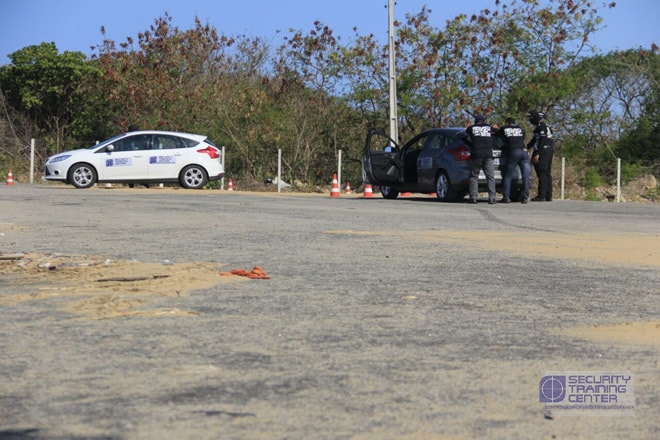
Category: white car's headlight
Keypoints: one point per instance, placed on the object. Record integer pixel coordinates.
(59, 158)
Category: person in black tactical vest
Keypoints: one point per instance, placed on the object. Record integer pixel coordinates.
(514, 144)
(480, 137)
(543, 149)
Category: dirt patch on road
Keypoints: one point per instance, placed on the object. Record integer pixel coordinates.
(628, 249)
(630, 333)
(634, 249)
(100, 288)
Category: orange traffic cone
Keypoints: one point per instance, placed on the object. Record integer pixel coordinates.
(10, 178)
(334, 192)
(230, 185)
(368, 191)
(347, 190)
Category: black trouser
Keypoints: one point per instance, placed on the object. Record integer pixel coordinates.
(544, 172)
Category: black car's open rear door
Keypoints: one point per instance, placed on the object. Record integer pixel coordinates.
(381, 161)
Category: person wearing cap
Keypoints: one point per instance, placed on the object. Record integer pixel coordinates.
(543, 149)
(480, 137)
(513, 136)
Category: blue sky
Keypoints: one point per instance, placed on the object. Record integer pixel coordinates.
(74, 25)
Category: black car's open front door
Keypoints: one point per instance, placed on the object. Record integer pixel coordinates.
(381, 160)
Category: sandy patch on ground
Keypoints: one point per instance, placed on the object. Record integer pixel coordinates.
(635, 249)
(11, 227)
(632, 249)
(630, 333)
(100, 288)
(419, 435)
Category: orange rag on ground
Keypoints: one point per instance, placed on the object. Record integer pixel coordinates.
(257, 273)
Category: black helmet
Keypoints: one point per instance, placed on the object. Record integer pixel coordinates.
(535, 117)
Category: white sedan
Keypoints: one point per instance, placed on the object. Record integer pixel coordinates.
(190, 160)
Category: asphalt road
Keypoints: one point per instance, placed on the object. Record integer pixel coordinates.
(378, 321)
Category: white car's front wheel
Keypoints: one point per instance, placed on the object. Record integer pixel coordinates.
(82, 175)
(193, 177)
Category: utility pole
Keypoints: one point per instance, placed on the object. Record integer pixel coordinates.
(394, 128)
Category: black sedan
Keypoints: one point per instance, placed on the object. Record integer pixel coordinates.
(434, 161)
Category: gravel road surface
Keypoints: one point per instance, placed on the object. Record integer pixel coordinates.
(382, 319)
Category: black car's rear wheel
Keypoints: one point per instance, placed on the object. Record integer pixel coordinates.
(443, 189)
(388, 192)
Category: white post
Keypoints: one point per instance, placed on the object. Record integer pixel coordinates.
(394, 128)
(563, 176)
(32, 160)
(222, 180)
(618, 179)
(279, 169)
(339, 170)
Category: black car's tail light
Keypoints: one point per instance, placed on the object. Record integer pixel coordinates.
(460, 153)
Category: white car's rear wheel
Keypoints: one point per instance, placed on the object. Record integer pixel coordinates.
(193, 177)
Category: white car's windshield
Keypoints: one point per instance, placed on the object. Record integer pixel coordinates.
(107, 141)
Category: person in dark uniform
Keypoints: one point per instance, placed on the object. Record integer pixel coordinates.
(480, 137)
(514, 143)
(543, 149)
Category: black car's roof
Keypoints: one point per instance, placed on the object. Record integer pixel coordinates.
(452, 131)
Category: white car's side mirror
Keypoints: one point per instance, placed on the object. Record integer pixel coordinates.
(110, 148)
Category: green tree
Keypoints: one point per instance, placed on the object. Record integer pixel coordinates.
(48, 87)
(520, 49)
(641, 141)
(502, 60)
(159, 80)
(313, 71)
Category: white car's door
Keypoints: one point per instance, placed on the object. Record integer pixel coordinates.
(167, 156)
(128, 159)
